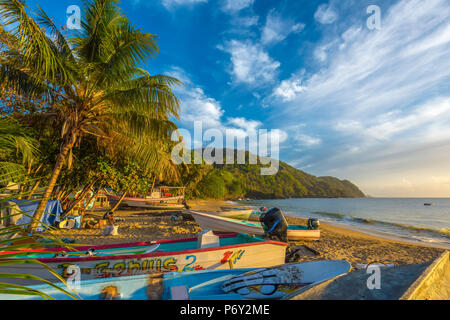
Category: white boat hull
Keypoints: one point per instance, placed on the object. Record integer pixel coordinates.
(208, 221)
(222, 224)
(172, 203)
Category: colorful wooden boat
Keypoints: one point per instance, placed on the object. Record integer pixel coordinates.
(162, 198)
(230, 251)
(223, 224)
(96, 251)
(253, 284)
(172, 203)
(234, 284)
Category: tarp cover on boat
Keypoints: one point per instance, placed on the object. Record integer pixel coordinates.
(51, 214)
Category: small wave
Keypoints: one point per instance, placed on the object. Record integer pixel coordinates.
(331, 214)
(339, 216)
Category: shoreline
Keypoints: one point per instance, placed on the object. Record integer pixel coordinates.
(365, 230)
(336, 243)
(387, 235)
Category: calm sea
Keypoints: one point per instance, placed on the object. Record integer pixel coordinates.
(402, 217)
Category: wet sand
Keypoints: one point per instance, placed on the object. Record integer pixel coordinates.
(335, 243)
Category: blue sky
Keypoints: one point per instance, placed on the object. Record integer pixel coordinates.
(372, 106)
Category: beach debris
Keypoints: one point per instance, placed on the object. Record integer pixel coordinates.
(295, 253)
(111, 231)
(92, 223)
(176, 218)
(67, 224)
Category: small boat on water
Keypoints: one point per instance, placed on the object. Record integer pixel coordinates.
(428, 204)
(235, 284)
(161, 198)
(181, 255)
(224, 224)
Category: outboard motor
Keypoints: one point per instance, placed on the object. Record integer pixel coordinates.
(184, 203)
(274, 224)
(313, 224)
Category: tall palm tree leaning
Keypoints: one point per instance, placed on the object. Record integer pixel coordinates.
(90, 79)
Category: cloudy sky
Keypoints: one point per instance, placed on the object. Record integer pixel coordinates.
(371, 105)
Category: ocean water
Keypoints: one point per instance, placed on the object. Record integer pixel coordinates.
(401, 217)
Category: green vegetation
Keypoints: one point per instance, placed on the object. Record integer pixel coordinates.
(88, 84)
(246, 181)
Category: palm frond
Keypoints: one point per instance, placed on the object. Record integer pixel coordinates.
(38, 51)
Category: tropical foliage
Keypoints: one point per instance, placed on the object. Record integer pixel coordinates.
(89, 83)
(245, 181)
(13, 238)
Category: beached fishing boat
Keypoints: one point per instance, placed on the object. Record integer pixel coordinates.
(254, 284)
(223, 224)
(235, 284)
(247, 214)
(162, 198)
(216, 252)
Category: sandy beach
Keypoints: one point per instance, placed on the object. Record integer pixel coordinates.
(335, 243)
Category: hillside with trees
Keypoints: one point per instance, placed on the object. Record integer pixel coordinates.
(245, 181)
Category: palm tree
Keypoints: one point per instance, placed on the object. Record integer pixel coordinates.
(90, 80)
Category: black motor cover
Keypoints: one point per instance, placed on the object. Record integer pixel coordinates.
(274, 224)
(313, 224)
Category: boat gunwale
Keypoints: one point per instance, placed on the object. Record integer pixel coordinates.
(145, 200)
(246, 223)
(142, 256)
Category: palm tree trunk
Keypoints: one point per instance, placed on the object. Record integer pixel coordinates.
(119, 202)
(153, 185)
(67, 144)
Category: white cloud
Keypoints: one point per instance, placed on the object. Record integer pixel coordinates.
(381, 94)
(387, 127)
(169, 4)
(290, 88)
(234, 6)
(326, 14)
(278, 28)
(250, 63)
(249, 125)
(246, 21)
(306, 140)
(194, 103)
